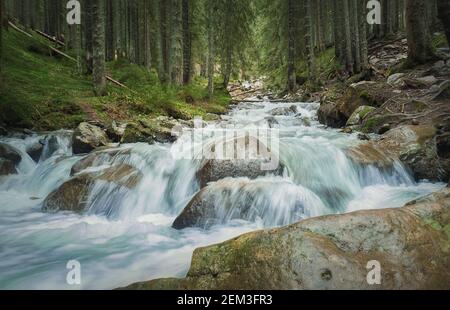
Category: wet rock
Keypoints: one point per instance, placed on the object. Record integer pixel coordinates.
(70, 196)
(284, 111)
(414, 146)
(271, 121)
(7, 167)
(363, 137)
(347, 130)
(73, 194)
(87, 137)
(35, 150)
(202, 210)
(10, 153)
(215, 168)
(96, 159)
(331, 252)
(358, 116)
(116, 131)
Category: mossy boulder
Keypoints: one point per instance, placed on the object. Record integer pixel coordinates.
(414, 146)
(366, 93)
(73, 195)
(160, 129)
(331, 252)
(359, 115)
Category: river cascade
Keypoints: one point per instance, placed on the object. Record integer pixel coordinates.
(125, 235)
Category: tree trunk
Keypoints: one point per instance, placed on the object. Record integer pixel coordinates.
(291, 47)
(98, 44)
(419, 42)
(2, 14)
(186, 42)
(444, 16)
(210, 10)
(355, 36)
(88, 35)
(308, 41)
(348, 38)
(363, 34)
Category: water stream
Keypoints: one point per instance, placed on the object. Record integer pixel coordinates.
(126, 236)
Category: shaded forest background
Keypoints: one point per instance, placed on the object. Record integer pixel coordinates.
(177, 57)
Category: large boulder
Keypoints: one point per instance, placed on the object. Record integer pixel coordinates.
(97, 158)
(73, 194)
(249, 200)
(411, 244)
(88, 137)
(414, 146)
(160, 129)
(35, 150)
(215, 168)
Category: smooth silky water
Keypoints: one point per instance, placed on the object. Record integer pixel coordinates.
(125, 236)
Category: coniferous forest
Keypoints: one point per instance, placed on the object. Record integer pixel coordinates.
(138, 136)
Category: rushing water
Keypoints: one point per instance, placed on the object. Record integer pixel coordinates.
(126, 236)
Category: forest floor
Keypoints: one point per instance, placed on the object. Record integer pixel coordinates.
(43, 91)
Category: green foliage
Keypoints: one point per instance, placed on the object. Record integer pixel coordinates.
(42, 92)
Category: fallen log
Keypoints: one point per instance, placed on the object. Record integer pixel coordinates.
(20, 30)
(49, 37)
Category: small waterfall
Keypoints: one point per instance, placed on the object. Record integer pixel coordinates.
(125, 235)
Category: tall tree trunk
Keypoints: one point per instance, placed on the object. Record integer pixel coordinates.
(291, 47)
(88, 35)
(228, 46)
(308, 41)
(98, 43)
(363, 34)
(419, 42)
(444, 16)
(187, 45)
(2, 17)
(211, 62)
(348, 38)
(356, 34)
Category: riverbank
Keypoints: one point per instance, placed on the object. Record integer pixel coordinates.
(41, 91)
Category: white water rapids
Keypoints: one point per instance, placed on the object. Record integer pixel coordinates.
(126, 236)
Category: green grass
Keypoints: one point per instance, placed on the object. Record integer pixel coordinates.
(42, 92)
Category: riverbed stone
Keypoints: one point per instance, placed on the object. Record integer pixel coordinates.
(284, 111)
(73, 195)
(215, 169)
(331, 252)
(87, 137)
(414, 146)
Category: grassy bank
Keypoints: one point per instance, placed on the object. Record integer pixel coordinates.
(42, 92)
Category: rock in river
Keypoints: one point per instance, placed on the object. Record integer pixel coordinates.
(73, 194)
(331, 252)
(88, 137)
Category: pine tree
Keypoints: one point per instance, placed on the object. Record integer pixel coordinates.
(444, 16)
(419, 41)
(98, 44)
(187, 41)
(291, 46)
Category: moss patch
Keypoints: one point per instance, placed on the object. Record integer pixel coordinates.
(42, 92)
